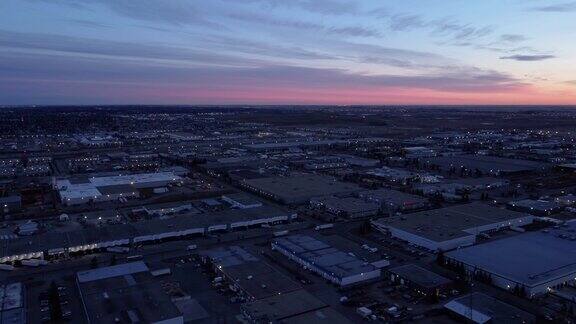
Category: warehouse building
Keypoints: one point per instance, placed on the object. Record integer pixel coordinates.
(348, 207)
(392, 175)
(241, 201)
(486, 164)
(13, 304)
(536, 207)
(463, 185)
(165, 209)
(312, 144)
(96, 189)
(452, 227)
(57, 245)
(126, 293)
(298, 189)
(532, 263)
(336, 266)
(480, 308)
(246, 274)
(423, 281)
(286, 146)
(294, 307)
(393, 200)
(360, 161)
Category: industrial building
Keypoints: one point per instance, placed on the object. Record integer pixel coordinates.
(246, 274)
(423, 281)
(348, 207)
(480, 308)
(485, 164)
(13, 303)
(96, 189)
(164, 209)
(241, 201)
(356, 161)
(393, 200)
(56, 245)
(294, 307)
(451, 227)
(311, 144)
(126, 293)
(418, 152)
(285, 146)
(392, 175)
(463, 185)
(298, 189)
(536, 207)
(336, 266)
(533, 263)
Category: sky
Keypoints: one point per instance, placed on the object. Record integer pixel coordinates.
(343, 52)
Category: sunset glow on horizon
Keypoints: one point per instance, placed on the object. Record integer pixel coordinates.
(341, 52)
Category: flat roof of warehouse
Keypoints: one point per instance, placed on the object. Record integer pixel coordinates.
(330, 259)
(125, 292)
(292, 144)
(483, 308)
(300, 186)
(228, 256)
(254, 275)
(393, 196)
(111, 271)
(93, 187)
(420, 276)
(487, 163)
(349, 204)
(242, 198)
(191, 220)
(536, 204)
(285, 305)
(260, 280)
(530, 258)
(324, 315)
(451, 222)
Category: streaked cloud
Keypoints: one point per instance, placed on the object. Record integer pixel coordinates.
(528, 58)
(512, 38)
(283, 50)
(172, 12)
(262, 19)
(559, 7)
(327, 7)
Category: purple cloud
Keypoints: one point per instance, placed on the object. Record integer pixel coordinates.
(528, 58)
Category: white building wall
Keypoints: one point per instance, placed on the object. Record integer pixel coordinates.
(430, 244)
(531, 291)
(339, 281)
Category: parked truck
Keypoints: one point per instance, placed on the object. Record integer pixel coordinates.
(364, 311)
(281, 233)
(323, 226)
